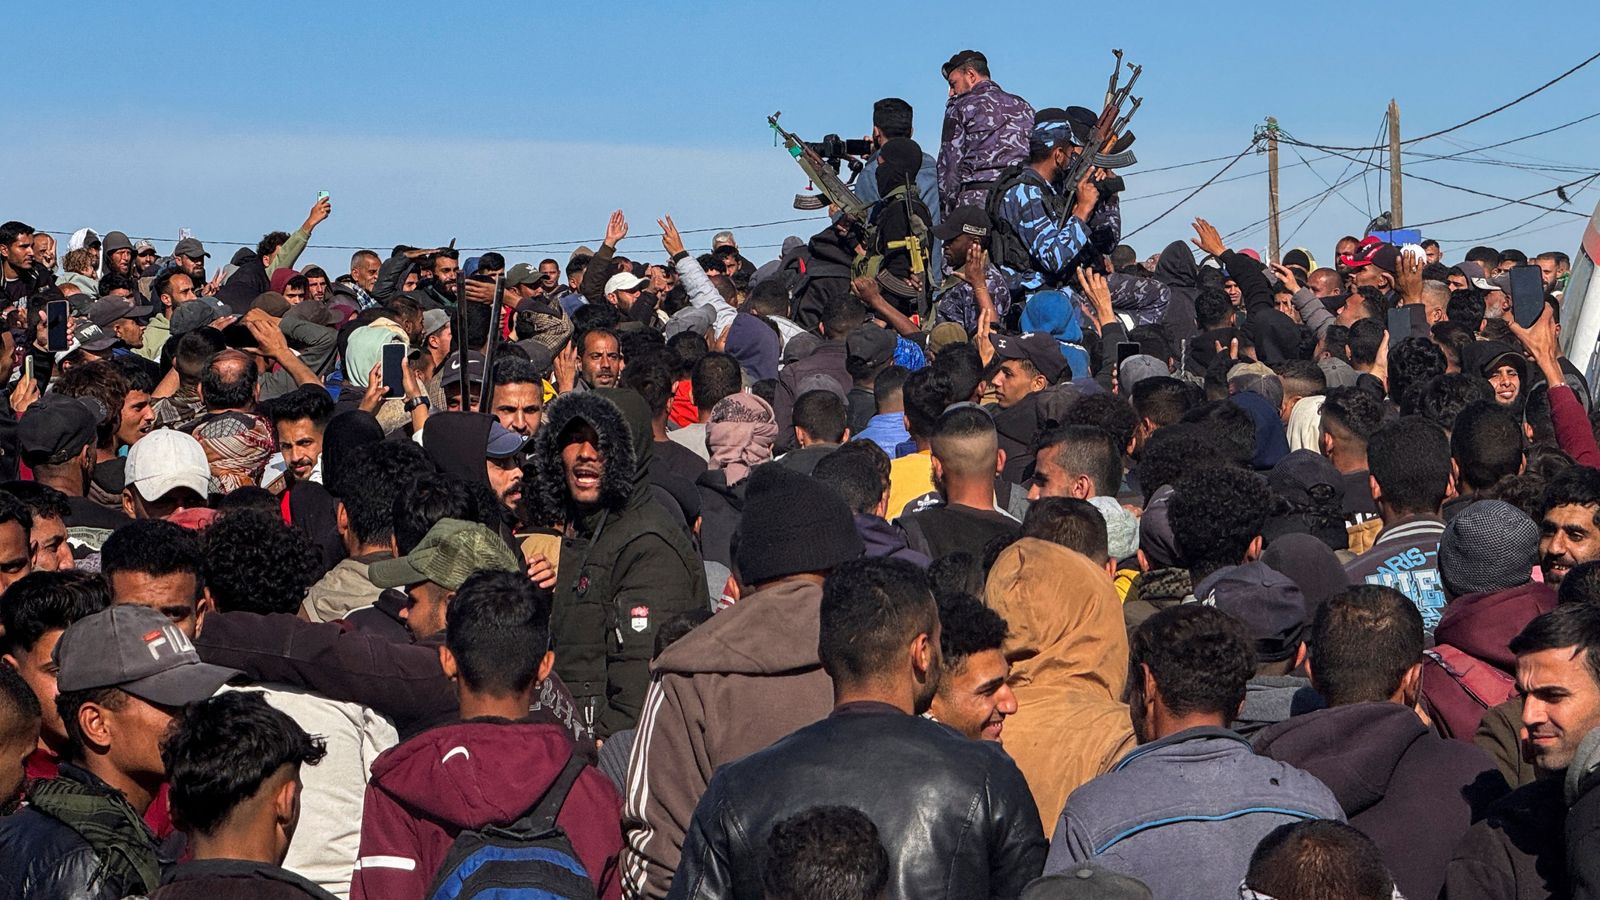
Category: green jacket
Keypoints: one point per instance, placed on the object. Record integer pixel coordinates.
(156, 335)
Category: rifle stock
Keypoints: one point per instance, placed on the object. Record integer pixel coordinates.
(821, 174)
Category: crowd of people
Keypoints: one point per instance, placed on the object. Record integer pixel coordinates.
(1032, 569)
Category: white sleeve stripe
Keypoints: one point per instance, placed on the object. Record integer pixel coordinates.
(386, 862)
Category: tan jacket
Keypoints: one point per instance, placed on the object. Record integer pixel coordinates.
(1068, 650)
(747, 677)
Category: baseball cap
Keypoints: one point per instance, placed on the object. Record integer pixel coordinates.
(522, 273)
(1363, 254)
(1482, 357)
(139, 650)
(963, 220)
(191, 248)
(944, 334)
(111, 309)
(164, 460)
(433, 320)
(272, 303)
(961, 58)
(1268, 603)
(723, 239)
(452, 369)
(57, 427)
(450, 553)
(1138, 367)
(871, 344)
(142, 247)
(502, 441)
(1034, 346)
(191, 315)
(623, 281)
(1475, 276)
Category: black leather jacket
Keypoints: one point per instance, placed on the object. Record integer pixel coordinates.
(955, 815)
(42, 856)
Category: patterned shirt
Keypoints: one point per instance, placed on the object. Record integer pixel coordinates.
(985, 130)
(1032, 209)
(959, 302)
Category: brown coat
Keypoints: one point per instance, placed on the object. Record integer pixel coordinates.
(747, 677)
(1068, 650)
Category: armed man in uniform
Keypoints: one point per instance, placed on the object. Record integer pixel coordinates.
(985, 130)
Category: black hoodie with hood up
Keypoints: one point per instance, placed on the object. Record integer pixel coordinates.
(626, 567)
(1176, 269)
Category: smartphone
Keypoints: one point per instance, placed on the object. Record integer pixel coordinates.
(1126, 349)
(1527, 295)
(27, 366)
(394, 378)
(55, 313)
(1407, 321)
(322, 195)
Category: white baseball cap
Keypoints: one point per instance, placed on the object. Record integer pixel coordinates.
(623, 281)
(165, 459)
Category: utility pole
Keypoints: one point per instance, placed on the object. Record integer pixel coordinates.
(1397, 214)
(1272, 189)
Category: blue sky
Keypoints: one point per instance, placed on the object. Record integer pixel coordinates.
(513, 124)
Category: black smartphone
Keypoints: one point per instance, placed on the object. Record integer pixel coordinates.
(1126, 349)
(1407, 321)
(394, 378)
(55, 313)
(1527, 295)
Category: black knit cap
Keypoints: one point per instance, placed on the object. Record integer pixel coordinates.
(792, 523)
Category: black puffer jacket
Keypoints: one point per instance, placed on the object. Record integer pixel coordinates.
(625, 566)
(956, 814)
(46, 854)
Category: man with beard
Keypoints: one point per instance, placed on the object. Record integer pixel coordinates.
(298, 418)
(1569, 529)
(600, 358)
(978, 284)
(476, 448)
(985, 130)
(21, 274)
(625, 566)
(446, 269)
(1031, 206)
(956, 812)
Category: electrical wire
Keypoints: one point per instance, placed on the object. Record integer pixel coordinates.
(1192, 193)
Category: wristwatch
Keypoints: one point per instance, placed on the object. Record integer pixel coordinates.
(416, 402)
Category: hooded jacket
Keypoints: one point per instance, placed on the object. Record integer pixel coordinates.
(1175, 268)
(1481, 626)
(247, 283)
(391, 276)
(758, 655)
(482, 772)
(625, 567)
(1411, 791)
(236, 879)
(883, 539)
(827, 359)
(1271, 443)
(721, 506)
(1517, 852)
(1068, 651)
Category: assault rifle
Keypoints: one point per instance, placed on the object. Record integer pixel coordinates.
(1107, 147)
(821, 174)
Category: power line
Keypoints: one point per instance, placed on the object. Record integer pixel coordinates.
(1208, 182)
(1478, 118)
(1523, 201)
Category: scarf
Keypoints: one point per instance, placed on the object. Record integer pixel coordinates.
(740, 435)
(121, 841)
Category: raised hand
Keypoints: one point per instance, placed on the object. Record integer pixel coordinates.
(1209, 240)
(671, 241)
(616, 229)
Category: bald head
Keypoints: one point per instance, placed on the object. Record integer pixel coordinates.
(1325, 282)
(229, 382)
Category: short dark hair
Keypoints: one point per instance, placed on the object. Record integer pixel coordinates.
(368, 479)
(224, 392)
(511, 370)
(19, 709)
(191, 352)
(1201, 659)
(1366, 336)
(1362, 642)
(825, 851)
(966, 627)
(1086, 450)
(822, 414)
(1410, 458)
(653, 381)
(892, 116)
(925, 395)
(1317, 859)
(1229, 428)
(138, 372)
(48, 601)
(68, 703)
(872, 608)
(842, 314)
(1070, 522)
(431, 497)
(1568, 625)
(223, 749)
(1215, 513)
(14, 510)
(154, 547)
(308, 401)
(1577, 486)
(1465, 308)
(1413, 360)
(1211, 307)
(10, 231)
(1355, 413)
(1108, 412)
(1162, 399)
(687, 348)
(888, 383)
(498, 627)
(256, 563)
(270, 242)
(1443, 397)
(104, 383)
(1173, 452)
(41, 500)
(1486, 444)
(715, 376)
(1300, 377)
(858, 471)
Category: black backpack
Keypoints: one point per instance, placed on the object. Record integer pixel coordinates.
(531, 857)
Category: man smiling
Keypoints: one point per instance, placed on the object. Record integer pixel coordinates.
(974, 697)
(1569, 529)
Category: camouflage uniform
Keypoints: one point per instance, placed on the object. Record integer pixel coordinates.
(1033, 210)
(959, 303)
(985, 130)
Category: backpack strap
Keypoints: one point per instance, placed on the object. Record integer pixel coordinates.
(1485, 684)
(543, 815)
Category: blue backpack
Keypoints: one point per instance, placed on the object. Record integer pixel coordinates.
(531, 858)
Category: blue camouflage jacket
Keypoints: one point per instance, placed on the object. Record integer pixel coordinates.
(1032, 209)
(985, 130)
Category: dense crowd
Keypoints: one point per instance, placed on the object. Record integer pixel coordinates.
(1026, 568)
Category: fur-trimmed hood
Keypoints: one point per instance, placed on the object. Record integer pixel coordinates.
(544, 480)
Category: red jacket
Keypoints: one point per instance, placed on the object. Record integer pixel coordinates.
(425, 791)
(1481, 626)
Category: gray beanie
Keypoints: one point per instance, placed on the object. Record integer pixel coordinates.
(1489, 546)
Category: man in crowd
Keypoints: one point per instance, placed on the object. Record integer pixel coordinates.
(974, 695)
(1569, 533)
(966, 460)
(956, 812)
(299, 419)
(47, 537)
(985, 130)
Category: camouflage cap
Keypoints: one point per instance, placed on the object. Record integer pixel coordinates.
(449, 554)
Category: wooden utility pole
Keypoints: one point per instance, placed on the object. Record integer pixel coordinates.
(1272, 189)
(1396, 211)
